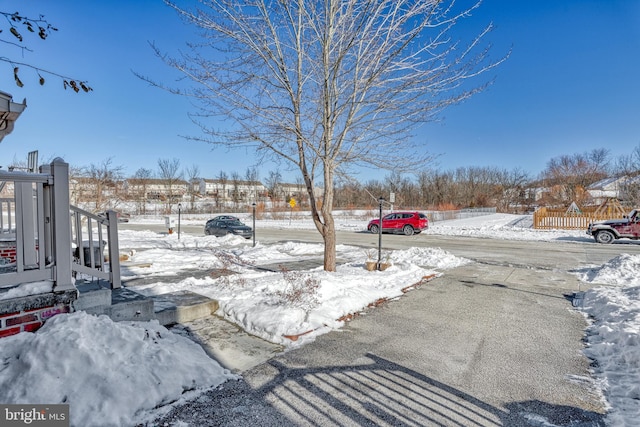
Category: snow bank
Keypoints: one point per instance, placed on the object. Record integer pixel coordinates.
(109, 373)
(613, 336)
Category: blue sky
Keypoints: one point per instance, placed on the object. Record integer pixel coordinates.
(571, 85)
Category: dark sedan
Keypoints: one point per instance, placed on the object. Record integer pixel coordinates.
(222, 227)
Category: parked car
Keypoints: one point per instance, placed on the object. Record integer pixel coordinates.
(612, 229)
(406, 223)
(224, 218)
(220, 218)
(222, 227)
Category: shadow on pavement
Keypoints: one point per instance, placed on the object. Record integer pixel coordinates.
(377, 393)
(471, 284)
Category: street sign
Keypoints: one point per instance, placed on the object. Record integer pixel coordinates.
(292, 202)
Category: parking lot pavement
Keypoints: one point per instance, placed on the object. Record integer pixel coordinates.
(232, 347)
(482, 345)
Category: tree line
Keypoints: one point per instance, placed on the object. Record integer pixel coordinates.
(564, 180)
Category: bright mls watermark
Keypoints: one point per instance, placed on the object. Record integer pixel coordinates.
(34, 415)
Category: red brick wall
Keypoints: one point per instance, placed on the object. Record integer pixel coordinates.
(9, 253)
(28, 313)
(28, 320)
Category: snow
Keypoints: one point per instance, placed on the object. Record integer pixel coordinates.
(613, 336)
(82, 358)
(33, 288)
(144, 367)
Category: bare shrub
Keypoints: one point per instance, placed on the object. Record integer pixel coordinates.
(301, 289)
(225, 273)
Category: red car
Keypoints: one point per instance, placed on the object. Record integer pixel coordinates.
(407, 223)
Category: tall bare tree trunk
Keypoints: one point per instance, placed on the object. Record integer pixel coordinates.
(329, 237)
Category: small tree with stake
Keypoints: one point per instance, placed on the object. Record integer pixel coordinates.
(327, 85)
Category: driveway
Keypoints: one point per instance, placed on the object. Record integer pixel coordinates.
(495, 342)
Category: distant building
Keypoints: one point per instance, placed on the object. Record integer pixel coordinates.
(214, 191)
(621, 188)
(156, 189)
(230, 190)
(239, 191)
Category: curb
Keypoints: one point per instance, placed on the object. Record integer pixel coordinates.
(376, 303)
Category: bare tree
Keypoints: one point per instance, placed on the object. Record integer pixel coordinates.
(628, 168)
(423, 181)
(274, 181)
(299, 193)
(193, 176)
(350, 194)
(103, 178)
(169, 173)
(373, 188)
(223, 178)
(512, 196)
(140, 183)
(438, 188)
(235, 192)
(478, 186)
(400, 186)
(252, 175)
(570, 175)
(328, 85)
(19, 25)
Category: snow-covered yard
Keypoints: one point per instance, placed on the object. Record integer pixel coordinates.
(79, 358)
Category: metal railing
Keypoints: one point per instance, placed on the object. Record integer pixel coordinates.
(36, 230)
(7, 217)
(459, 214)
(25, 215)
(88, 234)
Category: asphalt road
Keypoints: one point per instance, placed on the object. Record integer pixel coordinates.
(565, 255)
(494, 343)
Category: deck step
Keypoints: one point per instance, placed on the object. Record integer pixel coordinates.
(119, 304)
(126, 304)
(182, 306)
(129, 305)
